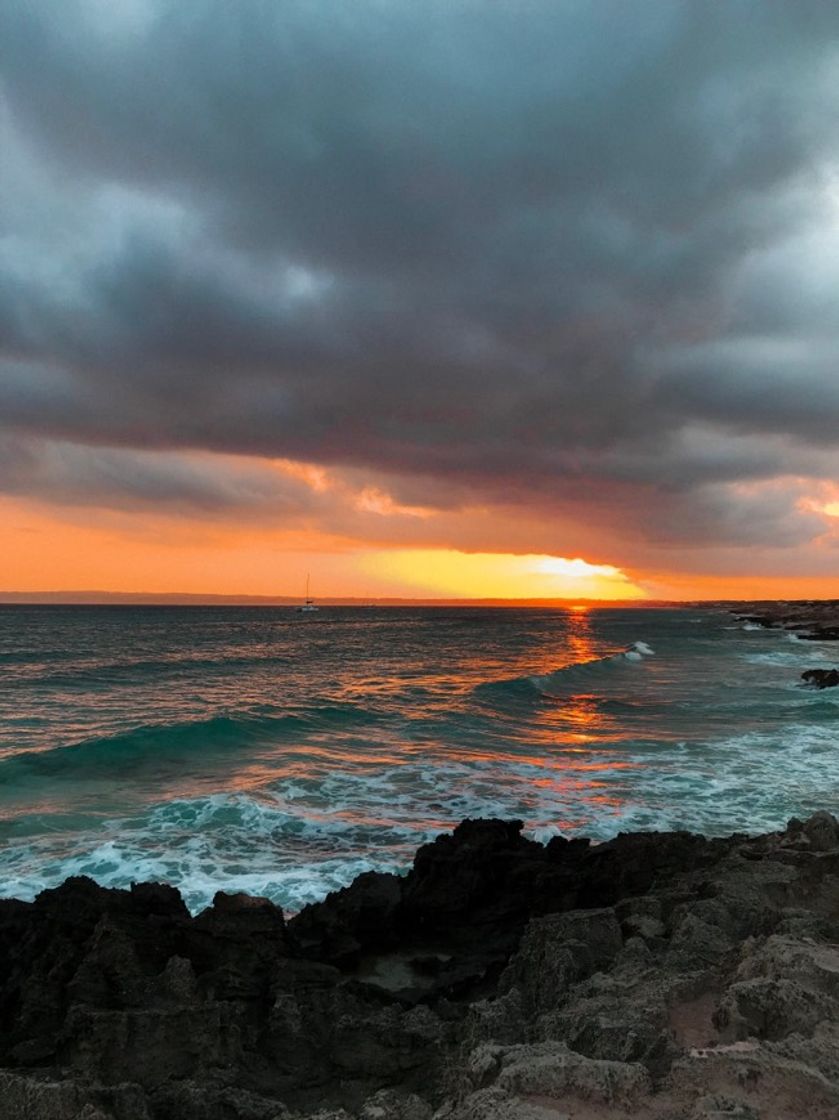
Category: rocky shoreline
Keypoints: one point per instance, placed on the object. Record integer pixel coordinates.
(812, 620)
(660, 976)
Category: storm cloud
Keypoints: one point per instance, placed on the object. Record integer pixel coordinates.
(573, 259)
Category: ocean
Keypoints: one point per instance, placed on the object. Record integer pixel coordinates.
(261, 750)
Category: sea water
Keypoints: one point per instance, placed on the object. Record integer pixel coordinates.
(283, 754)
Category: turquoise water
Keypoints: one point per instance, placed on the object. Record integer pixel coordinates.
(257, 749)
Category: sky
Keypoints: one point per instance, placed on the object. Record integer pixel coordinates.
(508, 298)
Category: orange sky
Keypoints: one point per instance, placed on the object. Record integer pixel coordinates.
(391, 311)
(45, 548)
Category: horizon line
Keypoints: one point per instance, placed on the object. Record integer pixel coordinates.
(186, 598)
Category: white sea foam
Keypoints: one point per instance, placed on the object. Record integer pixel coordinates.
(636, 652)
(203, 845)
(296, 849)
(799, 657)
(590, 674)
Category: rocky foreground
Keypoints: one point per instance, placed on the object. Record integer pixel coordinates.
(659, 977)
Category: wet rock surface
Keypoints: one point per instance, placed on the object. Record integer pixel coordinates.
(658, 976)
(812, 620)
(815, 620)
(821, 678)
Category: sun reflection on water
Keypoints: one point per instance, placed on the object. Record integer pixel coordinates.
(365, 735)
(544, 753)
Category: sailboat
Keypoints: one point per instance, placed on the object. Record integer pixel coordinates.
(308, 605)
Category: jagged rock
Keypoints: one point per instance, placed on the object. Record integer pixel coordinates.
(821, 633)
(191, 1101)
(559, 950)
(474, 891)
(31, 1097)
(696, 943)
(496, 1104)
(770, 1009)
(327, 1114)
(814, 964)
(822, 830)
(507, 978)
(821, 678)
(503, 1019)
(390, 1105)
(776, 1087)
(723, 1108)
(551, 1069)
(359, 918)
(614, 1027)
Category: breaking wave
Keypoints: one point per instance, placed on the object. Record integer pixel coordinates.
(593, 674)
(252, 754)
(158, 743)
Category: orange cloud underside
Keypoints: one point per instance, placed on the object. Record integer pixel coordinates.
(145, 553)
(46, 549)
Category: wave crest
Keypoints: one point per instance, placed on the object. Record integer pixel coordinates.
(588, 674)
(156, 743)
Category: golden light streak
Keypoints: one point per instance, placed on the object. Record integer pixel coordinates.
(490, 575)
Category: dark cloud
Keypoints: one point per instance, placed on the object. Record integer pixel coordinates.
(135, 480)
(568, 257)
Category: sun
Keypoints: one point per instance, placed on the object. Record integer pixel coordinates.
(500, 575)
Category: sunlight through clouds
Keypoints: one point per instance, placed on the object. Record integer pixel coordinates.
(482, 575)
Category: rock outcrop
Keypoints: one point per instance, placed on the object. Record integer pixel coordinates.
(821, 678)
(658, 976)
(814, 620)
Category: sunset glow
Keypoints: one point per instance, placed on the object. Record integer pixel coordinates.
(73, 550)
(410, 322)
(419, 534)
(502, 575)
(115, 553)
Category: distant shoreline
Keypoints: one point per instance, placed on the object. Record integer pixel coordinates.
(106, 598)
(810, 608)
(93, 598)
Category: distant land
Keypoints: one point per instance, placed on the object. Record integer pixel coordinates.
(184, 599)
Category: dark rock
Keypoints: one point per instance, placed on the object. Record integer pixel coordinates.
(771, 1009)
(822, 831)
(811, 620)
(559, 950)
(187, 1100)
(471, 893)
(714, 1107)
(821, 634)
(574, 968)
(821, 678)
(28, 1097)
(390, 1105)
(360, 918)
